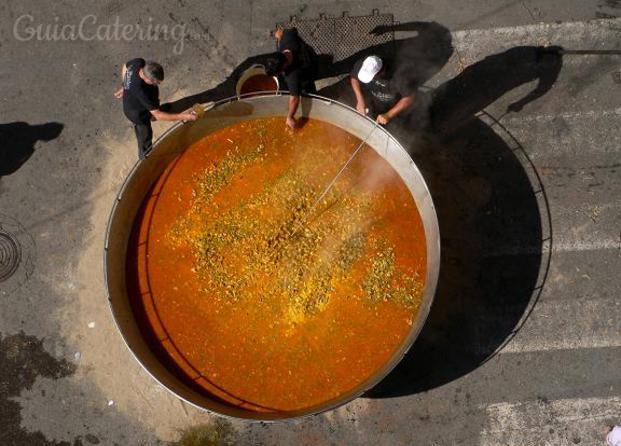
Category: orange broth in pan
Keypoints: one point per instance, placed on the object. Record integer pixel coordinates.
(254, 297)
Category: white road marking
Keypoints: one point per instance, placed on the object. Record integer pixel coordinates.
(578, 322)
(587, 245)
(569, 134)
(549, 423)
(558, 246)
(578, 35)
(578, 115)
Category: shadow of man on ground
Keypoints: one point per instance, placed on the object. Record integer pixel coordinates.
(421, 56)
(489, 217)
(457, 101)
(17, 142)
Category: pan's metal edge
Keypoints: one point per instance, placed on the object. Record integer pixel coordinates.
(430, 285)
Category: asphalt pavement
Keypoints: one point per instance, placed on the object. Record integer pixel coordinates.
(523, 344)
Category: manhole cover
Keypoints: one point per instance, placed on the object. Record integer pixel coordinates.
(10, 255)
(17, 255)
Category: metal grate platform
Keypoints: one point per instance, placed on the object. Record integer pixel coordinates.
(343, 36)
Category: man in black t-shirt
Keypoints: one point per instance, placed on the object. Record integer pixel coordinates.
(388, 92)
(296, 61)
(141, 103)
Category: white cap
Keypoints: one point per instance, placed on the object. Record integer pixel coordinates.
(370, 67)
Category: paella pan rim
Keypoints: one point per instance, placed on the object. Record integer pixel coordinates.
(174, 141)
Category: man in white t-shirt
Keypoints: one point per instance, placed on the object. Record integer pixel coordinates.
(613, 435)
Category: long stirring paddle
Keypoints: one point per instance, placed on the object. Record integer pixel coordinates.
(331, 184)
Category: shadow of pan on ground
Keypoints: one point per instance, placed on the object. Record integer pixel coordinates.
(489, 217)
(491, 233)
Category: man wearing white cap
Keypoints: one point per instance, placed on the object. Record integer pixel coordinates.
(613, 435)
(387, 95)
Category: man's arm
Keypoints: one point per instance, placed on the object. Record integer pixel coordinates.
(289, 56)
(119, 93)
(160, 115)
(360, 103)
(401, 105)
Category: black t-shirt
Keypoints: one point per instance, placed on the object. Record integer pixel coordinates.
(300, 74)
(386, 87)
(138, 96)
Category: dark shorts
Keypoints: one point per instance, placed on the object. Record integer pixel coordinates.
(308, 87)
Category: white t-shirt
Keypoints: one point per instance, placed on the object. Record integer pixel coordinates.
(614, 436)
